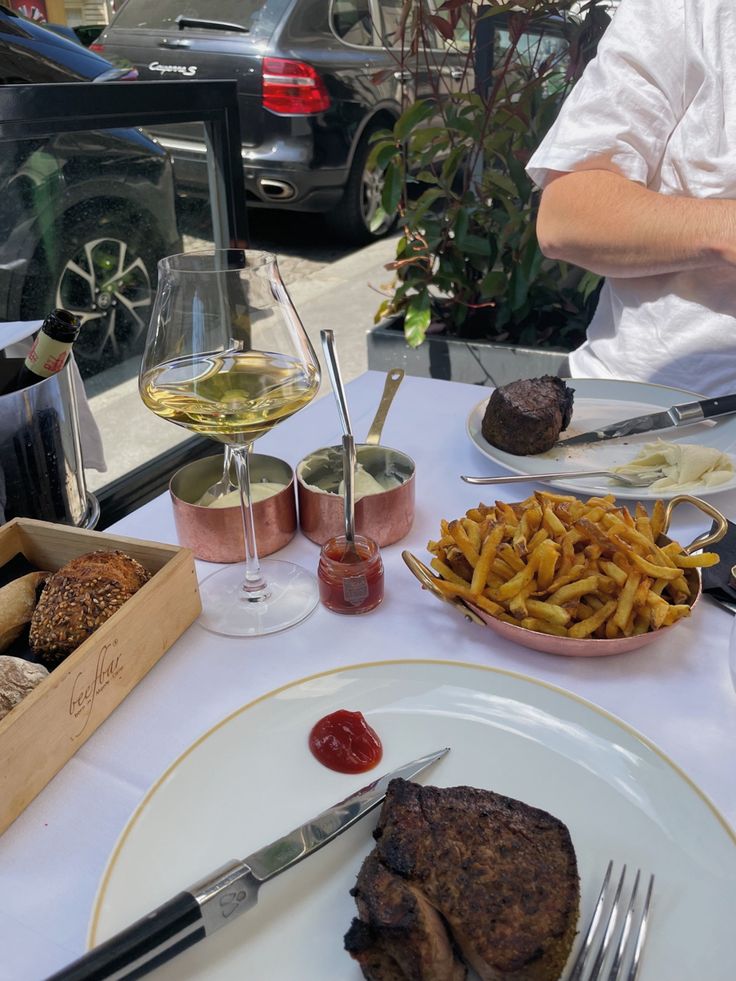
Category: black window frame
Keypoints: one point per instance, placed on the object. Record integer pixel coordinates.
(43, 110)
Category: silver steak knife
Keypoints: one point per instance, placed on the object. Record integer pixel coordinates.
(229, 891)
(677, 415)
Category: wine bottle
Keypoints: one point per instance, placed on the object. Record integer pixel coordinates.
(50, 349)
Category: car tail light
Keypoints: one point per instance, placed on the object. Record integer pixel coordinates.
(96, 46)
(293, 88)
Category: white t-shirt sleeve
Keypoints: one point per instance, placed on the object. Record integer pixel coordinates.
(622, 112)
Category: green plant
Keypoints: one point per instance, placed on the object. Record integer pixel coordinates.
(468, 262)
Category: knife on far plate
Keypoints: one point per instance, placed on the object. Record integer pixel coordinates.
(231, 890)
(678, 415)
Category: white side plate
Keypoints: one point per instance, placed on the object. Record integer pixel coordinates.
(597, 403)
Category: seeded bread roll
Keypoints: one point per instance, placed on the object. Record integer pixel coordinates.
(79, 598)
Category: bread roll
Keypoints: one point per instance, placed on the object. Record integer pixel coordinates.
(79, 598)
(17, 679)
(17, 603)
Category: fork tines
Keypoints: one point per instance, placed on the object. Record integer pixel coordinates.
(611, 948)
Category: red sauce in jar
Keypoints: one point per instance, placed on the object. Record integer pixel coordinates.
(350, 581)
(344, 741)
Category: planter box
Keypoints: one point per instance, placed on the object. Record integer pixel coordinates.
(453, 359)
(48, 726)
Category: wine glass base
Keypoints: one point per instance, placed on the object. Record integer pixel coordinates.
(293, 593)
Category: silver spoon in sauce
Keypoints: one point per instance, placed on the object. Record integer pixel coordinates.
(348, 443)
(348, 475)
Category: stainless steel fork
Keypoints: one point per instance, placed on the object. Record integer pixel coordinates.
(595, 960)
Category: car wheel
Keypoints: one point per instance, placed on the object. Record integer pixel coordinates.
(353, 217)
(106, 274)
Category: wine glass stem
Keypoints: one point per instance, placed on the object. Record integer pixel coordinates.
(228, 462)
(254, 586)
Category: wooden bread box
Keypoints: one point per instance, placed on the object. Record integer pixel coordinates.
(48, 726)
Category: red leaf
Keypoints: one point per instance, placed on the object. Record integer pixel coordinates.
(444, 27)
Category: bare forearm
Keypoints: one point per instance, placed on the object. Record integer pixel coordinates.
(614, 227)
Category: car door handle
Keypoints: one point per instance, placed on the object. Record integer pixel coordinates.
(402, 76)
(166, 43)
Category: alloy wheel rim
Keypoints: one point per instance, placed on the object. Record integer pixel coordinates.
(106, 283)
(371, 191)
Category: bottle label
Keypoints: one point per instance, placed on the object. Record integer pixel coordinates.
(47, 356)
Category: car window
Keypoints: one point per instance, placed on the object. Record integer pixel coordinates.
(351, 21)
(85, 218)
(532, 48)
(391, 30)
(259, 16)
(391, 22)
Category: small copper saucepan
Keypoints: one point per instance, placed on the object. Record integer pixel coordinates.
(216, 534)
(385, 489)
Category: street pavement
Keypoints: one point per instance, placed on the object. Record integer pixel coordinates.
(331, 288)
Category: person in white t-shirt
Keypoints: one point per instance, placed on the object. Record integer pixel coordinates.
(639, 178)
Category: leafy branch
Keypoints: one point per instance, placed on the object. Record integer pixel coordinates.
(468, 261)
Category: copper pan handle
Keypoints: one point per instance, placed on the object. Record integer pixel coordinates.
(707, 538)
(391, 386)
(429, 581)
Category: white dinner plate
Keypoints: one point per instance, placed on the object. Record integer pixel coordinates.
(598, 402)
(251, 779)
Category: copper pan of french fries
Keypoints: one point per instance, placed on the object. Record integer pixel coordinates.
(568, 576)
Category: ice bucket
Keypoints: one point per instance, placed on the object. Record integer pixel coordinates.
(41, 467)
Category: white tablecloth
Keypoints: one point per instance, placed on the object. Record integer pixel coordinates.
(678, 692)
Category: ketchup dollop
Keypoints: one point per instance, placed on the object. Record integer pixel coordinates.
(344, 741)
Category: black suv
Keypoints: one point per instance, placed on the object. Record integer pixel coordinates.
(315, 79)
(84, 217)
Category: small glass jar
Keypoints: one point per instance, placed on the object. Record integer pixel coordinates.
(350, 583)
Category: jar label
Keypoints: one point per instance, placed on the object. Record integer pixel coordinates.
(355, 590)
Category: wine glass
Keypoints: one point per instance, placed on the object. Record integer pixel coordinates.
(227, 356)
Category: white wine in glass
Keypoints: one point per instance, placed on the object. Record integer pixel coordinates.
(227, 356)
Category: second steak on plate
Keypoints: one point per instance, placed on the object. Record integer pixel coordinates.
(527, 416)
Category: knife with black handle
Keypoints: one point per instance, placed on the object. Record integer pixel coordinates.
(221, 897)
(678, 415)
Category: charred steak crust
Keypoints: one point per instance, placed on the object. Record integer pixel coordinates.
(501, 874)
(527, 416)
(399, 934)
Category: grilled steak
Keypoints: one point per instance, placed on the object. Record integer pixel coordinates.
(501, 875)
(527, 416)
(399, 935)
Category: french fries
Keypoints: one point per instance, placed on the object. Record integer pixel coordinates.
(567, 567)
